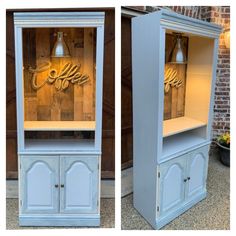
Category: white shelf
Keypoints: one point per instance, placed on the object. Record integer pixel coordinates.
(181, 142)
(181, 124)
(55, 145)
(59, 125)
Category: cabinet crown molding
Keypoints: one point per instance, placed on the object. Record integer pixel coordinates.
(59, 19)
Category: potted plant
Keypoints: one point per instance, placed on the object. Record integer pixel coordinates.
(223, 142)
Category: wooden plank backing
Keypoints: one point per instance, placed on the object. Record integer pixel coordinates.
(88, 69)
(42, 55)
(47, 103)
(174, 100)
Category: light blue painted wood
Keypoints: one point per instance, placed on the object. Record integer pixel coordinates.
(44, 163)
(162, 221)
(181, 23)
(172, 187)
(19, 87)
(60, 220)
(145, 68)
(160, 107)
(59, 19)
(175, 193)
(160, 200)
(99, 86)
(39, 175)
(197, 171)
(177, 145)
(79, 175)
(58, 146)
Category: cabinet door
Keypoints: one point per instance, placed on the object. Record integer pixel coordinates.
(39, 180)
(197, 171)
(79, 184)
(172, 185)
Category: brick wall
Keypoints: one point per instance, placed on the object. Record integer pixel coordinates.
(221, 123)
(219, 15)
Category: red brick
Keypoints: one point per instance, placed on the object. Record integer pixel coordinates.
(225, 15)
(227, 9)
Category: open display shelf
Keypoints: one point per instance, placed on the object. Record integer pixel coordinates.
(186, 108)
(43, 145)
(59, 125)
(181, 124)
(179, 143)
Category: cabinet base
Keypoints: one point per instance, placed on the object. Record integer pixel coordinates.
(160, 222)
(32, 220)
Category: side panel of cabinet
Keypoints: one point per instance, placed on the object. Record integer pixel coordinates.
(39, 176)
(172, 185)
(197, 171)
(79, 178)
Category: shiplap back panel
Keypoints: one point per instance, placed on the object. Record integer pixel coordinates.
(48, 104)
(174, 99)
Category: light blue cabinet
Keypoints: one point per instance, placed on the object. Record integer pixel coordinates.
(59, 82)
(39, 178)
(59, 184)
(172, 175)
(181, 179)
(197, 165)
(79, 176)
(171, 123)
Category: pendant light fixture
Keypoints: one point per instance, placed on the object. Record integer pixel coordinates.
(60, 48)
(178, 56)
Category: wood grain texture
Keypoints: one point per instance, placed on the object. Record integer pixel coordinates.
(52, 104)
(43, 94)
(11, 134)
(78, 53)
(126, 94)
(88, 110)
(108, 114)
(174, 100)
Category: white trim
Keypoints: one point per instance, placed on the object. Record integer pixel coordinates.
(174, 21)
(19, 88)
(99, 86)
(183, 27)
(59, 19)
(107, 189)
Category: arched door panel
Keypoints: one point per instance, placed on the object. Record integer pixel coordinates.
(79, 178)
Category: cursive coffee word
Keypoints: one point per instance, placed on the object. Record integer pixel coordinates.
(68, 74)
(171, 79)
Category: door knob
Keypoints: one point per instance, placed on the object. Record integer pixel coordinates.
(56, 185)
(188, 178)
(185, 180)
(62, 185)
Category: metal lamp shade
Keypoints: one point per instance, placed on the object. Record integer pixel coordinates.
(178, 55)
(60, 48)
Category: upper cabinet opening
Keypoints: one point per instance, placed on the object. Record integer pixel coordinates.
(187, 82)
(59, 76)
